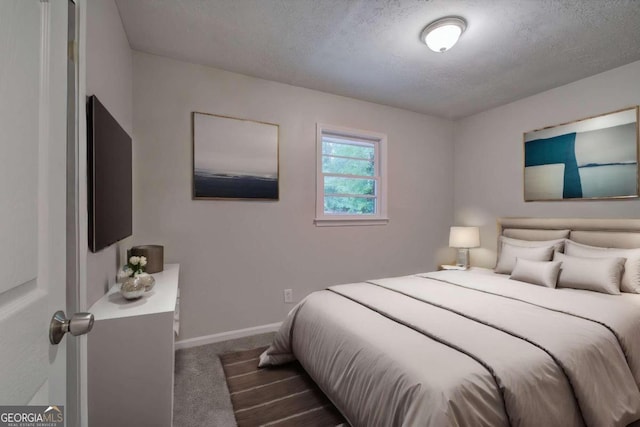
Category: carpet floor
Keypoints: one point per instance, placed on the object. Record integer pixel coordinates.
(200, 394)
(282, 396)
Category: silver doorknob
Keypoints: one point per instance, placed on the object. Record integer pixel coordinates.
(79, 324)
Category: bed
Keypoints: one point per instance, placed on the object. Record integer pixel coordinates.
(478, 348)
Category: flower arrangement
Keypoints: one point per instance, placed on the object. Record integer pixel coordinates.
(134, 267)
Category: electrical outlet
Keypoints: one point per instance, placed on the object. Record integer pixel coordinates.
(288, 295)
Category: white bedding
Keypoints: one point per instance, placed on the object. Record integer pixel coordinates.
(468, 348)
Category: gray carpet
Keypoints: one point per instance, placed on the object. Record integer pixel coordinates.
(200, 394)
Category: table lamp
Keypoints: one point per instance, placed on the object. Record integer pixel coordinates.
(464, 238)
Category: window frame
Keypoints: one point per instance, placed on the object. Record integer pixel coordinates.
(380, 176)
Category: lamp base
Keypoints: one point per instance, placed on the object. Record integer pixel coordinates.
(462, 259)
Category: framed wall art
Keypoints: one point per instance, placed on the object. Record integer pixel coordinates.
(234, 158)
(593, 158)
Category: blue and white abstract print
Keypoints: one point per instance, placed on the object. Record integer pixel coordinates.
(593, 158)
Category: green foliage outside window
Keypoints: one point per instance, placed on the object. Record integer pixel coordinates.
(341, 192)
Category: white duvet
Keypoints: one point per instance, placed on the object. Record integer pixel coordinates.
(470, 348)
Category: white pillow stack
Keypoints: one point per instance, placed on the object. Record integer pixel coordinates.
(630, 279)
(606, 270)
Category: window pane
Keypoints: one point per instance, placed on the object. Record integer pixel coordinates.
(349, 205)
(337, 185)
(348, 150)
(347, 166)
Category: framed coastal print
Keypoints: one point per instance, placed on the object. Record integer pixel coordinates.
(594, 158)
(234, 158)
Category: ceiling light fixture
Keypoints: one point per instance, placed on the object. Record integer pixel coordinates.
(443, 33)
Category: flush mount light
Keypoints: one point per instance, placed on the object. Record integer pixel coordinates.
(442, 34)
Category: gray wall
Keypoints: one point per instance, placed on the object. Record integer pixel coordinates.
(109, 76)
(238, 256)
(489, 154)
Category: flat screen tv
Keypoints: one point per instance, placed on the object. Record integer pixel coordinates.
(109, 177)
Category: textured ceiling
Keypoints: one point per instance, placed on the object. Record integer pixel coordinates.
(370, 49)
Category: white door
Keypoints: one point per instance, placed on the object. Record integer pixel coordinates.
(33, 199)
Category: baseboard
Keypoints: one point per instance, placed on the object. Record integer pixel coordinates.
(225, 336)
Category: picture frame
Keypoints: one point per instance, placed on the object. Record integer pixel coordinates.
(595, 158)
(234, 158)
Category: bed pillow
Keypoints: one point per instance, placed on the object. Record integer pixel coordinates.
(592, 274)
(630, 278)
(558, 244)
(542, 273)
(509, 253)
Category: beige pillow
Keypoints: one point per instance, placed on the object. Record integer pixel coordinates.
(558, 244)
(509, 253)
(630, 278)
(593, 274)
(542, 273)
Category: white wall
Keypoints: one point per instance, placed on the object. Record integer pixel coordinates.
(238, 256)
(489, 154)
(109, 76)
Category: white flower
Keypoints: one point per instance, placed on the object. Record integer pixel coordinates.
(143, 261)
(134, 260)
(124, 273)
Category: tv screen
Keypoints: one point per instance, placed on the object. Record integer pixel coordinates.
(109, 177)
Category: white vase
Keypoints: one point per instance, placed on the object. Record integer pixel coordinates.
(132, 288)
(148, 281)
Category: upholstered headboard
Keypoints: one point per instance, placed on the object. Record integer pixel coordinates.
(609, 233)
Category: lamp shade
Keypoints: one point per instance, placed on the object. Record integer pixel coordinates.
(464, 237)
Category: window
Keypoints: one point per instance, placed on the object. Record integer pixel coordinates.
(351, 180)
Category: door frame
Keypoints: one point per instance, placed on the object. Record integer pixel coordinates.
(75, 374)
(77, 217)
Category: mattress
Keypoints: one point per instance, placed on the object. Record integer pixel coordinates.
(468, 348)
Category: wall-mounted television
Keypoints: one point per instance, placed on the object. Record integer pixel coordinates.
(109, 174)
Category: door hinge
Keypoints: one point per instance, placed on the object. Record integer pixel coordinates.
(72, 48)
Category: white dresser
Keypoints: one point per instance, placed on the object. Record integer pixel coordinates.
(131, 356)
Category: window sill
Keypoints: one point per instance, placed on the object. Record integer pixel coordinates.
(342, 222)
